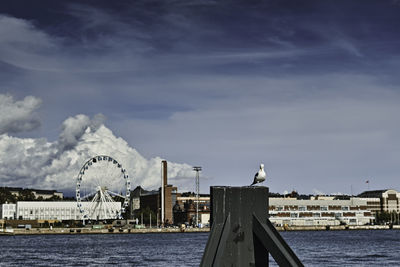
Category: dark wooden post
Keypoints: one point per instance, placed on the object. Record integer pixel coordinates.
(241, 234)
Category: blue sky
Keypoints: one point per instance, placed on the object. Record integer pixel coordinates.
(309, 88)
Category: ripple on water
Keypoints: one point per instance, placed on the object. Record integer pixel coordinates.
(324, 248)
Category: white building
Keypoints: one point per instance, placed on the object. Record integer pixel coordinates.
(290, 211)
(46, 194)
(7, 211)
(57, 210)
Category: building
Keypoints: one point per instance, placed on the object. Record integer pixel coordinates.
(55, 210)
(8, 211)
(141, 200)
(134, 202)
(387, 200)
(160, 202)
(185, 209)
(46, 194)
(168, 197)
(37, 193)
(178, 208)
(150, 200)
(292, 211)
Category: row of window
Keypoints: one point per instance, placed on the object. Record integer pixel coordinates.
(47, 208)
(62, 212)
(318, 214)
(50, 217)
(9, 207)
(305, 208)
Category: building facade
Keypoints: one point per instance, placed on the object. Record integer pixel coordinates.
(387, 200)
(8, 211)
(55, 210)
(157, 201)
(291, 211)
(185, 209)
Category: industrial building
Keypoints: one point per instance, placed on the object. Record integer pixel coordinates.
(181, 206)
(169, 206)
(160, 202)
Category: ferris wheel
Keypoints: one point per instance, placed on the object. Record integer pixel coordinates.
(102, 189)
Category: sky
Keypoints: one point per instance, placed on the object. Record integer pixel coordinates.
(309, 88)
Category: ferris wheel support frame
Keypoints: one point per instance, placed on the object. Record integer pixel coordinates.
(102, 197)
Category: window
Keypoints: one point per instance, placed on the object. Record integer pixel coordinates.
(345, 208)
(325, 208)
(302, 208)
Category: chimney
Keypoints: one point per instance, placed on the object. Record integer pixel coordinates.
(165, 180)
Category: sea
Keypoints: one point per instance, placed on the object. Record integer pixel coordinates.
(314, 248)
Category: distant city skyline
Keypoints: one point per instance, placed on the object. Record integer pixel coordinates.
(309, 89)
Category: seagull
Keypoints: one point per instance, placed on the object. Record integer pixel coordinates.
(260, 175)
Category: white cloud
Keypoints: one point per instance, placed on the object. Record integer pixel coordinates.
(318, 192)
(18, 116)
(38, 163)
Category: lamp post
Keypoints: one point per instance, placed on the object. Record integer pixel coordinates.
(197, 169)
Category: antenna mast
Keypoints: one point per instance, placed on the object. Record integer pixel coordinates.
(197, 169)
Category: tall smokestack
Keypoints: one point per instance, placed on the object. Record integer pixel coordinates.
(164, 182)
(165, 172)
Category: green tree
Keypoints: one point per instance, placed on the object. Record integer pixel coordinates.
(384, 217)
(53, 198)
(7, 196)
(26, 195)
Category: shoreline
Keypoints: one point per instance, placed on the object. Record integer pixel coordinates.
(337, 228)
(84, 231)
(80, 231)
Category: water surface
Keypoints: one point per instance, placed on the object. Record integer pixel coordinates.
(314, 248)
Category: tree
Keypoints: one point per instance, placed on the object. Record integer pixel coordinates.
(53, 198)
(7, 196)
(384, 217)
(26, 195)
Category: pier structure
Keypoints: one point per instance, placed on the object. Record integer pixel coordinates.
(241, 234)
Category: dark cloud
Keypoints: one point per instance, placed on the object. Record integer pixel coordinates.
(190, 80)
(18, 116)
(73, 129)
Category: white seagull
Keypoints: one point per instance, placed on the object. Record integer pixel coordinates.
(260, 175)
